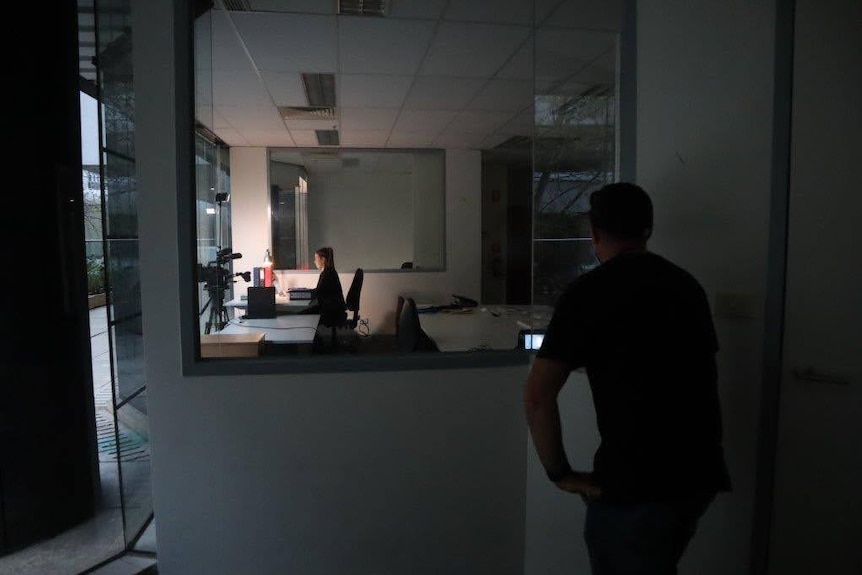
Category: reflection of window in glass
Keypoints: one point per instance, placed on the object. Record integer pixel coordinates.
(376, 208)
(574, 155)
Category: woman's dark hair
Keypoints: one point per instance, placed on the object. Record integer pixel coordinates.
(622, 210)
(327, 254)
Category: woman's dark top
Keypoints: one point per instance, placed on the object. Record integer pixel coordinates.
(327, 299)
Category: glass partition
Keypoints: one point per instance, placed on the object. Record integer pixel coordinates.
(435, 138)
(574, 150)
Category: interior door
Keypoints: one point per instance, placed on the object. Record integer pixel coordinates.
(817, 518)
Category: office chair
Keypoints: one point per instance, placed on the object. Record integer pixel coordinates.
(352, 304)
(398, 315)
(410, 335)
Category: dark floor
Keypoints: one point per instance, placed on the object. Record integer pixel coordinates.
(94, 541)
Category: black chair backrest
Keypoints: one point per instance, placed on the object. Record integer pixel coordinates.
(408, 326)
(352, 299)
(410, 335)
(398, 314)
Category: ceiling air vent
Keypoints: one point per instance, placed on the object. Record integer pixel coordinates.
(327, 137)
(362, 7)
(307, 112)
(237, 5)
(349, 162)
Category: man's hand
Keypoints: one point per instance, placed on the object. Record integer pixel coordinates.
(581, 484)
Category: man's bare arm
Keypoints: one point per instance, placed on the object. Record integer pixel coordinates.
(546, 379)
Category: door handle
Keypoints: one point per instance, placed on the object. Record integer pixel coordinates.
(810, 374)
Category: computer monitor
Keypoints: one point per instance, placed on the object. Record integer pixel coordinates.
(531, 339)
(261, 303)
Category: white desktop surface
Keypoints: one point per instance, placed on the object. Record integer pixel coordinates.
(479, 328)
(282, 329)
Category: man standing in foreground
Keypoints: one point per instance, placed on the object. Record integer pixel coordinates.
(642, 328)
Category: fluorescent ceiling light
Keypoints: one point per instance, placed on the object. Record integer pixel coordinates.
(319, 90)
(327, 137)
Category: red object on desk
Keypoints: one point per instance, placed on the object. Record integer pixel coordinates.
(267, 277)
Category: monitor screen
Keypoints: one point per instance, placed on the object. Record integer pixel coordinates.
(531, 339)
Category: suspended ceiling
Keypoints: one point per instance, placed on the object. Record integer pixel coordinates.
(427, 74)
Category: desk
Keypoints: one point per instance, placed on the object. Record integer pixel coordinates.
(283, 304)
(283, 329)
(483, 327)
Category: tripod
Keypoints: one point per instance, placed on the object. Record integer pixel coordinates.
(218, 314)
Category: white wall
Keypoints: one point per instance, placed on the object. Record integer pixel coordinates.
(249, 205)
(366, 218)
(705, 89)
(429, 223)
(704, 108)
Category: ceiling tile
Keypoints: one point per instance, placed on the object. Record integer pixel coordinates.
(561, 53)
(423, 120)
(504, 96)
(304, 137)
(218, 45)
(289, 42)
(481, 122)
(298, 6)
(442, 93)
(363, 119)
(417, 9)
(233, 137)
(376, 90)
(285, 88)
(589, 14)
(544, 9)
(250, 117)
(497, 11)
(418, 139)
(364, 138)
(382, 46)
(269, 137)
(471, 50)
(239, 87)
(459, 140)
(520, 65)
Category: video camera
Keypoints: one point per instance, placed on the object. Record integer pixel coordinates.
(215, 276)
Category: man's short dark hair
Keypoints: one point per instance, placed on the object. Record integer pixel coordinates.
(622, 210)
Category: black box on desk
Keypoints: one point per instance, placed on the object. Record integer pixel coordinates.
(261, 303)
(299, 293)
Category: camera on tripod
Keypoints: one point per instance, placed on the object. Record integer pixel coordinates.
(215, 276)
(216, 279)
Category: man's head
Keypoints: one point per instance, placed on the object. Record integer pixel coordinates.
(621, 218)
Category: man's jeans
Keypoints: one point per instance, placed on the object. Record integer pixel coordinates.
(641, 539)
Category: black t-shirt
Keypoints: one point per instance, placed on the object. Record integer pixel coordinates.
(642, 328)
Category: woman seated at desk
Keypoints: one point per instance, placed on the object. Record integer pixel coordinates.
(327, 298)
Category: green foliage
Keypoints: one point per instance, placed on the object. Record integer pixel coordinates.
(95, 275)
